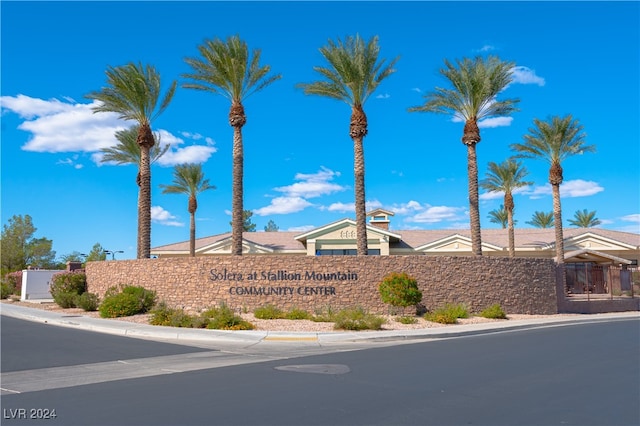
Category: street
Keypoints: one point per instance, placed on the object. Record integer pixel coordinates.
(579, 374)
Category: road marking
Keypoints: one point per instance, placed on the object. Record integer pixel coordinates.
(84, 374)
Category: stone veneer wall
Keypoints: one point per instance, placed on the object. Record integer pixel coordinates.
(520, 285)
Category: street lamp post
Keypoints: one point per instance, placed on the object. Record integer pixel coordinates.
(112, 253)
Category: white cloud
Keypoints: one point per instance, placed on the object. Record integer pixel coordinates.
(494, 195)
(312, 185)
(163, 217)
(486, 48)
(188, 154)
(437, 214)
(417, 89)
(568, 189)
(525, 75)
(350, 207)
(301, 229)
(406, 208)
(579, 188)
(283, 205)
(58, 126)
(383, 96)
(495, 122)
(631, 218)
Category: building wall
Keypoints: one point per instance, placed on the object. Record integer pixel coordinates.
(525, 286)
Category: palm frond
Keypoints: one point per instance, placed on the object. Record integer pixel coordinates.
(227, 68)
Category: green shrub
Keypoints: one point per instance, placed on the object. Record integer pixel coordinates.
(449, 314)
(175, 317)
(87, 301)
(400, 290)
(407, 320)
(66, 299)
(125, 301)
(297, 314)
(326, 315)
(357, 319)
(6, 289)
(494, 312)
(223, 318)
(268, 312)
(119, 305)
(65, 286)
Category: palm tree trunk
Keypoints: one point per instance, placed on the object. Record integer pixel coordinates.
(360, 204)
(237, 217)
(358, 130)
(145, 204)
(474, 210)
(512, 244)
(508, 206)
(557, 218)
(192, 235)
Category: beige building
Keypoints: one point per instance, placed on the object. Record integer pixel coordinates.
(581, 245)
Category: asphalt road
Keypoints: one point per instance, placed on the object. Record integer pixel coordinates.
(582, 374)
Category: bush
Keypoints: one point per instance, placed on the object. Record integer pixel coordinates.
(128, 301)
(407, 320)
(494, 312)
(357, 319)
(400, 290)
(6, 289)
(66, 299)
(87, 301)
(171, 317)
(223, 318)
(14, 280)
(65, 286)
(268, 312)
(326, 315)
(449, 314)
(297, 314)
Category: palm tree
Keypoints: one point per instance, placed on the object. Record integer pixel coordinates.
(189, 179)
(133, 92)
(553, 141)
(476, 84)
(226, 68)
(584, 219)
(506, 177)
(499, 216)
(127, 151)
(541, 220)
(352, 75)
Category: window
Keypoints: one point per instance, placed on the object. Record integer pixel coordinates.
(344, 252)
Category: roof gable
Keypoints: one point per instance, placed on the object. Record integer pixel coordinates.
(455, 242)
(334, 230)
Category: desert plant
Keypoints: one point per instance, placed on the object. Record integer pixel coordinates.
(6, 289)
(494, 311)
(126, 301)
(323, 315)
(87, 301)
(448, 314)
(223, 318)
(407, 320)
(357, 319)
(268, 312)
(297, 314)
(65, 286)
(399, 290)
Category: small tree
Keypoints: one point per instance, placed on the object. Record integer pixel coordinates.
(399, 290)
(271, 227)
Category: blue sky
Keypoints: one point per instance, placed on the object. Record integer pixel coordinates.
(579, 58)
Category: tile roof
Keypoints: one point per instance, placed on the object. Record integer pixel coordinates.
(524, 237)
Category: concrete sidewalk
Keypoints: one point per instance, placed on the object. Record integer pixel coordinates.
(185, 335)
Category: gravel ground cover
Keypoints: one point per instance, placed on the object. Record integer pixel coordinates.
(292, 325)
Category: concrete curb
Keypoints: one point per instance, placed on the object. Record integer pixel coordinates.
(175, 334)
